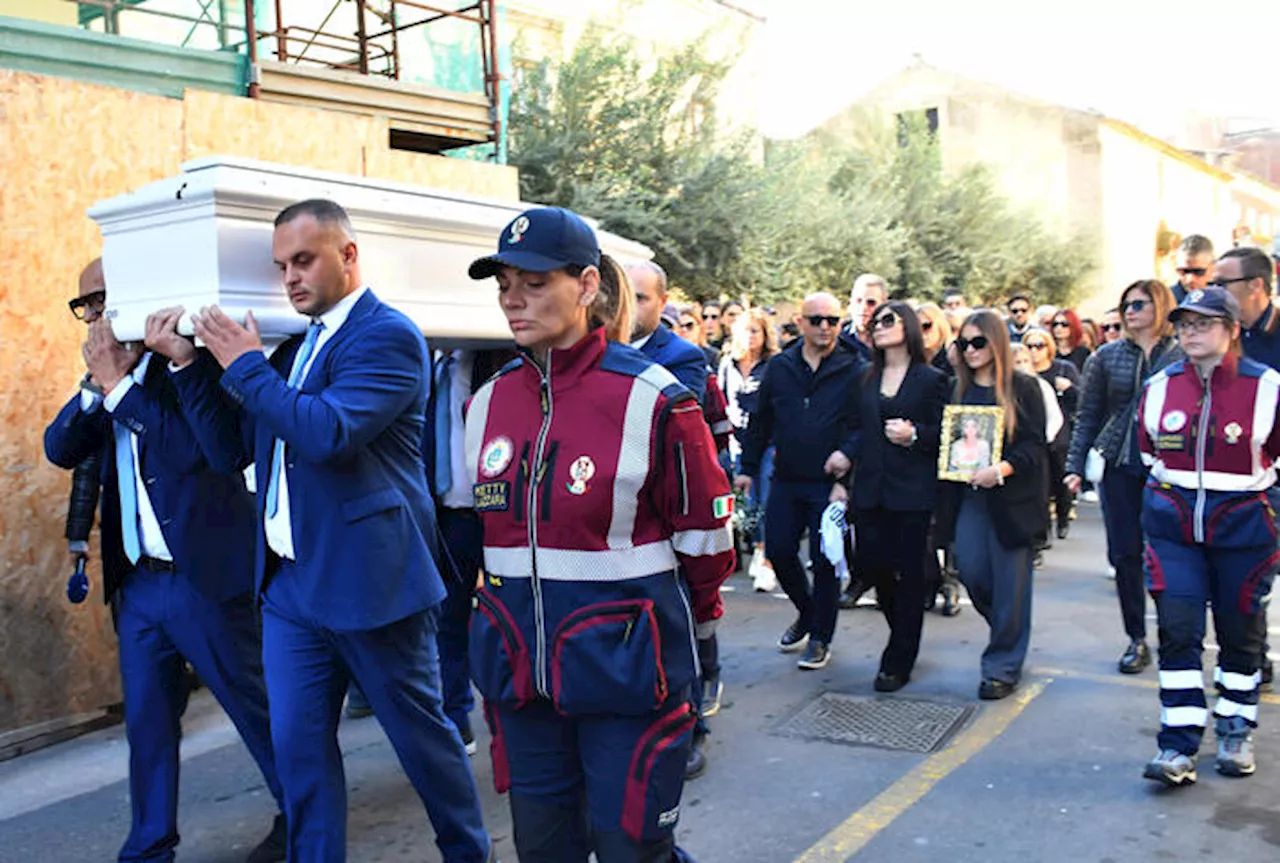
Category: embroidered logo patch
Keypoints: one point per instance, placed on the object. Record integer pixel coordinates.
(1174, 421)
(492, 496)
(668, 818)
(1233, 432)
(722, 507)
(518, 229)
(496, 456)
(580, 473)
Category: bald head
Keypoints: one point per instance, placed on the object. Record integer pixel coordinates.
(91, 278)
(650, 283)
(91, 300)
(819, 337)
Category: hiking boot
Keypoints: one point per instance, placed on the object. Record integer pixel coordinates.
(1172, 768)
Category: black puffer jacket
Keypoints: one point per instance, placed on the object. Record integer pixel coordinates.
(1112, 382)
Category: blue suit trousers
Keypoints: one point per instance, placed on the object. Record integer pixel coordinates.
(398, 668)
(164, 620)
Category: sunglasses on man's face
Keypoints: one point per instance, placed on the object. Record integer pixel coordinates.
(81, 306)
(819, 320)
(1112, 328)
(1192, 271)
(711, 317)
(1019, 310)
(977, 343)
(1134, 305)
(884, 322)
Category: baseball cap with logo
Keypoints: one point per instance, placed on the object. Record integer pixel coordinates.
(541, 240)
(1210, 302)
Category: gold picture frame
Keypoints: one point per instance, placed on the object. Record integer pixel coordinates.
(972, 438)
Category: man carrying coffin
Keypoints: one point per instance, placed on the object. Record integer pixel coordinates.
(346, 575)
(177, 540)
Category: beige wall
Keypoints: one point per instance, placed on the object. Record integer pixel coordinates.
(66, 145)
(51, 11)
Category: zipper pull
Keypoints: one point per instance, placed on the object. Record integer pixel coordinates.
(545, 393)
(631, 625)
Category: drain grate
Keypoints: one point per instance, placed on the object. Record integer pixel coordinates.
(889, 723)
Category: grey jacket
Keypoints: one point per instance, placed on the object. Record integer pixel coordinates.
(1112, 383)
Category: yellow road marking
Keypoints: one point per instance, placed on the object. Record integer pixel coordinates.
(1135, 682)
(862, 826)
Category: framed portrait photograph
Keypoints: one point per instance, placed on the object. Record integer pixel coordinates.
(972, 438)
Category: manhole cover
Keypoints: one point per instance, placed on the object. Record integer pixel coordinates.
(889, 723)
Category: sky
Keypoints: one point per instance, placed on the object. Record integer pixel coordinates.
(1142, 61)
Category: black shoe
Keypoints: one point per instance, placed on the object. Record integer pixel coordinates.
(794, 638)
(1063, 527)
(815, 657)
(468, 738)
(950, 600)
(993, 690)
(274, 848)
(1136, 658)
(1268, 676)
(849, 598)
(697, 763)
(891, 682)
(931, 599)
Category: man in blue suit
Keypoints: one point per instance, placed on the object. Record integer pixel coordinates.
(683, 359)
(345, 566)
(177, 540)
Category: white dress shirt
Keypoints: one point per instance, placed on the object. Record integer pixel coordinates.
(460, 495)
(279, 528)
(150, 537)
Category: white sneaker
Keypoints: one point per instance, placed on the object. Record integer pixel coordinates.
(1089, 496)
(762, 575)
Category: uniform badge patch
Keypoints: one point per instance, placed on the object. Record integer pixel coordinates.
(1233, 432)
(722, 507)
(580, 473)
(492, 496)
(518, 229)
(1174, 421)
(496, 456)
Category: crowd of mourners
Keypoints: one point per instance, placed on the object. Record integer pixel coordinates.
(352, 517)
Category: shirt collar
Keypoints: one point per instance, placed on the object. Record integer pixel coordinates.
(643, 340)
(140, 370)
(1260, 325)
(337, 316)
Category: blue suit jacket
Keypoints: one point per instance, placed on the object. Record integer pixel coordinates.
(205, 515)
(363, 520)
(682, 358)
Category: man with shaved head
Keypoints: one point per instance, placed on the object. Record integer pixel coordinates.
(682, 358)
(808, 409)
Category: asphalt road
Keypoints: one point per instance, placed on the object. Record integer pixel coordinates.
(1053, 773)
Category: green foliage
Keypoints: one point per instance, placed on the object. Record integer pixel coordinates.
(637, 145)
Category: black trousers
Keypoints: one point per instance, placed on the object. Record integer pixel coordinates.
(892, 547)
(1122, 488)
(1062, 496)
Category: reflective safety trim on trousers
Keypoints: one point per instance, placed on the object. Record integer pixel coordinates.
(559, 564)
(1181, 717)
(1181, 680)
(697, 543)
(1226, 708)
(1233, 681)
(1214, 480)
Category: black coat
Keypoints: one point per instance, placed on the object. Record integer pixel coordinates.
(1017, 508)
(894, 477)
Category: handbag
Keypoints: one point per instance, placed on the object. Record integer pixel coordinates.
(1094, 465)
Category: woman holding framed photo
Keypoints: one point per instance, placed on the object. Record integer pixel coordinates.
(900, 414)
(998, 517)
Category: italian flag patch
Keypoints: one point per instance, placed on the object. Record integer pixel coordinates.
(722, 506)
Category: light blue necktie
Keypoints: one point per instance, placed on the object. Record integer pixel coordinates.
(444, 424)
(126, 479)
(277, 452)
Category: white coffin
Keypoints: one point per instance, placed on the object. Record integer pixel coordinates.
(204, 238)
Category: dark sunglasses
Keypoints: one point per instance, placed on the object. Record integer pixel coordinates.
(926, 324)
(1134, 305)
(80, 305)
(1112, 328)
(977, 343)
(1192, 271)
(818, 320)
(1019, 310)
(706, 317)
(884, 322)
(1036, 346)
(689, 325)
(1058, 324)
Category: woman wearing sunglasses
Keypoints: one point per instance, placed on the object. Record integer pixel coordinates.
(1208, 428)
(1068, 337)
(689, 326)
(936, 333)
(900, 414)
(1112, 326)
(1106, 421)
(999, 517)
(1063, 379)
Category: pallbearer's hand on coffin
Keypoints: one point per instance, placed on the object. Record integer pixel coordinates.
(108, 360)
(162, 336)
(225, 339)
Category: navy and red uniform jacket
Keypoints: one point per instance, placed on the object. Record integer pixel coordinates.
(1211, 454)
(595, 480)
